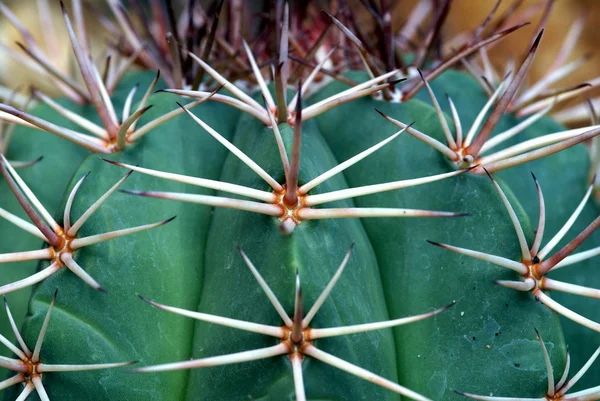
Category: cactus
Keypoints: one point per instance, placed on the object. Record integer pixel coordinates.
(291, 184)
(30, 369)
(560, 389)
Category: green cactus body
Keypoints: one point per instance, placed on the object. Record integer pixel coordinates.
(48, 182)
(13, 239)
(210, 263)
(315, 249)
(484, 344)
(382, 280)
(563, 176)
(419, 275)
(178, 254)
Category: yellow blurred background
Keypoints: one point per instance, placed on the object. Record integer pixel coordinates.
(466, 14)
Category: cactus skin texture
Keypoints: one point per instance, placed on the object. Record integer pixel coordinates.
(195, 153)
(65, 158)
(556, 173)
(191, 263)
(428, 274)
(484, 343)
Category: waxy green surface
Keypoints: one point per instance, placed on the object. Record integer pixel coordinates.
(563, 178)
(28, 144)
(48, 180)
(316, 249)
(192, 263)
(456, 355)
(91, 327)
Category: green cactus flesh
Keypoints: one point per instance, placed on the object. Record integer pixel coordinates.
(485, 344)
(48, 185)
(563, 177)
(428, 273)
(313, 249)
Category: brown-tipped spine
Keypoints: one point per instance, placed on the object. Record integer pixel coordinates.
(291, 195)
(568, 249)
(505, 100)
(467, 51)
(208, 44)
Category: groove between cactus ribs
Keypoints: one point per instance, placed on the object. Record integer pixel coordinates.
(296, 251)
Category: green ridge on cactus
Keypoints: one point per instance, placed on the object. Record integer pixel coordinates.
(86, 318)
(424, 274)
(48, 180)
(315, 248)
(471, 334)
(563, 177)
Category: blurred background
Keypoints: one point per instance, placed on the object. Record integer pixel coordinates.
(464, 15)
(468, 14)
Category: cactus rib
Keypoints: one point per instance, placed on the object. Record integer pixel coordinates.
(296, 335)
(521, 153)
(398, 273)
(127, 132)
(291, 213)
(533, 268)
(63, 240)
(29, 367)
